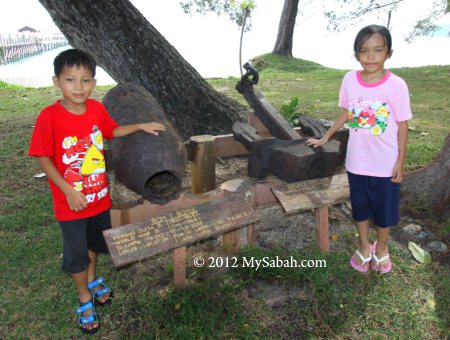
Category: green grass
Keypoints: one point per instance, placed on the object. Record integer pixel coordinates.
(38, 300)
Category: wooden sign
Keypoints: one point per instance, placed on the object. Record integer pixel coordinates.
(182, 227)
(313, 193)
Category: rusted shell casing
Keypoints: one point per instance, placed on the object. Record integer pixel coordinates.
(152, 166)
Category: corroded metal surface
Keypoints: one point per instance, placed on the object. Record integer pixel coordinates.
(152, 166)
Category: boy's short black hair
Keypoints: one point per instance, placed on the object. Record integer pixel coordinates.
(367, 32)
(71, 57)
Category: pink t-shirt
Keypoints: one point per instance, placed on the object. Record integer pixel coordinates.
(373, 113)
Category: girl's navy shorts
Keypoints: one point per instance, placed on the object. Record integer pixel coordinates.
(376, 198)
(82, 235)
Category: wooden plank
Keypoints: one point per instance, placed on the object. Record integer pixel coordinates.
(313, 193)
(146, 209)
(182, 227)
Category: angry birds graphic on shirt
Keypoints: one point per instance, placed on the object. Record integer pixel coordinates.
(369, 115)
(86, 170)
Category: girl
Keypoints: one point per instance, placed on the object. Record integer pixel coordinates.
(376, 107)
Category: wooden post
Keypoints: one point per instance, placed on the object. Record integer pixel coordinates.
(251, 234)
(203, 164)
(322, 228)
(203, 172)
(179, 268)
(232, 242)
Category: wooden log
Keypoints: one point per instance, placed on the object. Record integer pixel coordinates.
(203, 164)
(152, 166)
(180, 228)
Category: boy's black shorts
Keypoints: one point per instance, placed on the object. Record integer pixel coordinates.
(82, 235)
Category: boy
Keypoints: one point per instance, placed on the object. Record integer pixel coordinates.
(68, 143)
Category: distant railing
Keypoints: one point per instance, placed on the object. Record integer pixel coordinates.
(22, 46)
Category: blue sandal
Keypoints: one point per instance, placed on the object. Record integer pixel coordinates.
(100, 292)
(87, 320)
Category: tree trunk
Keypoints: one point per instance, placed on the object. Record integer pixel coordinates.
(283, 45)
(428, 189)
(131, 50)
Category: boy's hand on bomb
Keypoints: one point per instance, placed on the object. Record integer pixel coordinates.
(152, 128)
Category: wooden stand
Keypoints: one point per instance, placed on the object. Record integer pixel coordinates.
(316, 194)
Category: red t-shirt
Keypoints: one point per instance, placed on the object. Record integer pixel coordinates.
(74, 143)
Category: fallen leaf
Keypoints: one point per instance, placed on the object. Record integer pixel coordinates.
(178, 306)
(432, 303)
(334, 237)
(419, 254)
